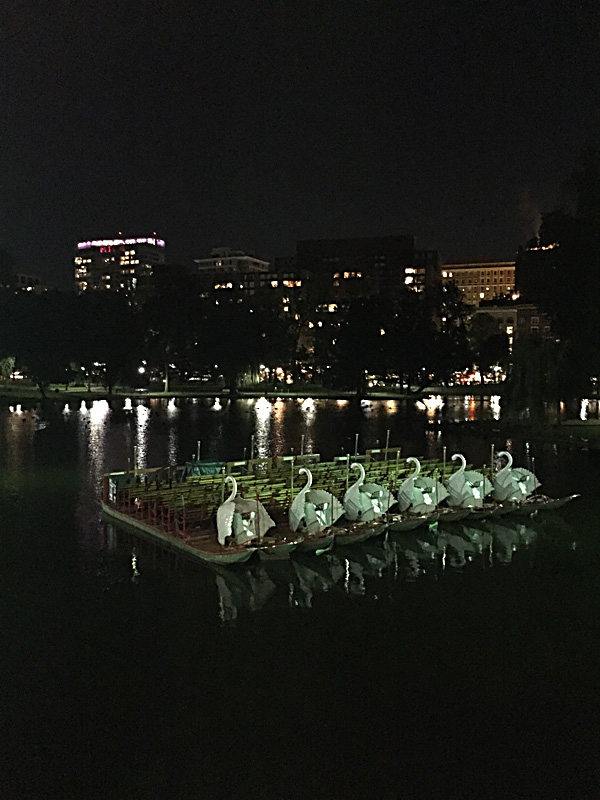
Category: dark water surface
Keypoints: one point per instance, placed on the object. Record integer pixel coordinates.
(461, 664)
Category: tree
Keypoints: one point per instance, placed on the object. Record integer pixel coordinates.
(561, 274)
(7, 366)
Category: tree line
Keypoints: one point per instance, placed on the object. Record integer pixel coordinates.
(177, 331)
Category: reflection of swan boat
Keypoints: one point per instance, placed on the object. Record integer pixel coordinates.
(412, 544)
(312, 513)
(241, 591)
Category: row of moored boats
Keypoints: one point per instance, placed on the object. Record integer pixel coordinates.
(317, 520)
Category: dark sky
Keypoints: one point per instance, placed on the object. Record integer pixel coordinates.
(256, 123)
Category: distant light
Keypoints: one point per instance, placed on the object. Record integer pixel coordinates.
(141, 370)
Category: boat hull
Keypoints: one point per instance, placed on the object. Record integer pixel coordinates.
(212, 555)
(277, 551)
(408, 522)
(536, 503)
(453, 514)
(316, 545)
(355, 535)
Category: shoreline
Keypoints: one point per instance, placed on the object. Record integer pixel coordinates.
(19, 393)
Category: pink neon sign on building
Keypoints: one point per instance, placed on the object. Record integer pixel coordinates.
(114, 242)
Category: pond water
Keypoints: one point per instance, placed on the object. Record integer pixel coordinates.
(458, 663)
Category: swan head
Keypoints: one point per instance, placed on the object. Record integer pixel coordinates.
(413, 460)
(462, 459)
(509, 459)
(361, 471)
(305, 471)
(232, 480)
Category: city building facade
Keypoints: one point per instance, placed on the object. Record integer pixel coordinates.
(481, 280)
(225, 261)
(117, 265)
(370, 266)
(516, 319)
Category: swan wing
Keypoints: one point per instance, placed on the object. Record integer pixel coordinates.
(526, 479)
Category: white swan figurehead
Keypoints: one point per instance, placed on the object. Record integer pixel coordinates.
(357, 504)
(225, 513)
(420, 494)
(513, 484)
(313, 510)
(240, 518)
(296, 513)
(467, 489)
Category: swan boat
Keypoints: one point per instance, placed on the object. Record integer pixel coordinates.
(467, 489)
(243, 521)
(202, 547)
(312, 513)
(515, 488)
(364, 505)
(418, 500)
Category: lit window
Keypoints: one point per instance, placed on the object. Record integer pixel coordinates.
(274, 284)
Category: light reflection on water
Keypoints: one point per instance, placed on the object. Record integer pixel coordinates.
(142, 414)
(19, 435)
(262, 411)
(162, 432)
(308, 413)
(375, 570)
(96, 424)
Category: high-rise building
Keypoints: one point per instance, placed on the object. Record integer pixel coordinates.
(481, 280)
(225, 261)
(117, 265)
(370, 266)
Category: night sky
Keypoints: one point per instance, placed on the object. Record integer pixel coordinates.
(254, 123)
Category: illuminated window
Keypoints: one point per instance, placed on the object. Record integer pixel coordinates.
(274, 284)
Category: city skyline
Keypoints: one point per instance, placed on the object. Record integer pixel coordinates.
(258, 125)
